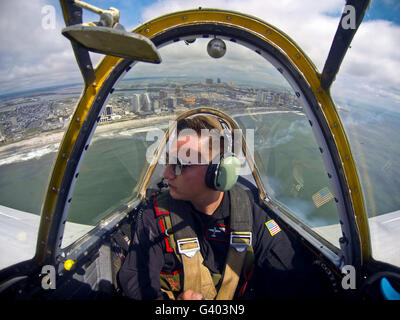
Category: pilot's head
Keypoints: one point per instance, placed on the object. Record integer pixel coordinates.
(198, 141)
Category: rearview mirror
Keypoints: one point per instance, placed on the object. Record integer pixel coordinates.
(113, 42)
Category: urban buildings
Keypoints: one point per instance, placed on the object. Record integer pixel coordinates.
(21, 118)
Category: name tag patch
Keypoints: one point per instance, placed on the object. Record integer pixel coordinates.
(272, 227)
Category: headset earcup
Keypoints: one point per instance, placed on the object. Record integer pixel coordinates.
(227, 173)
(210, 175)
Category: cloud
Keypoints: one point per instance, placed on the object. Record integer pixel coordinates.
(371, 64)
(200, 65)
(375, 50)
(306, 22)
(369, 72)
(32, 54)
(32, 57)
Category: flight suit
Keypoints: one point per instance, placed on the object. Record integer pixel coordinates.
(278, 268)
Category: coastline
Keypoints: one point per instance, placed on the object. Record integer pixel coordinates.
(50, 141)
(47, 142)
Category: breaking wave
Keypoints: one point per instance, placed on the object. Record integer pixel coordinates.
(13, 156)
(30, 154)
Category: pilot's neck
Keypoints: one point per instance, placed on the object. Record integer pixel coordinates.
(209, 203)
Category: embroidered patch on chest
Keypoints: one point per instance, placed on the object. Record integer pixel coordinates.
(217, 233)
(272, 227)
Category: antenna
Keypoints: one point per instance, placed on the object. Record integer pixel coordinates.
(108, 36)
(108, 18)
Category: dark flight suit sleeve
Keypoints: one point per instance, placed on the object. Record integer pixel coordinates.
(139, 275)
(278, 269)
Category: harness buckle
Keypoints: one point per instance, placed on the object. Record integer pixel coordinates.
(241, 240)
(188, 246)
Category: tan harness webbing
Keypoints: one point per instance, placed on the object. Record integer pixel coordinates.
(197, 277)
(241, 237)
(186, 246)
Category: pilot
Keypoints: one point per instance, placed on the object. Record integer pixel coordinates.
(204, 239)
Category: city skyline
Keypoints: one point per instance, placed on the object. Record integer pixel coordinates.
(44, 57)
(27, 116)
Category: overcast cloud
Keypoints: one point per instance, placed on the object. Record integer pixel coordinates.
(32, 57)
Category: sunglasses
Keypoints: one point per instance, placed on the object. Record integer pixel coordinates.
(178, 165)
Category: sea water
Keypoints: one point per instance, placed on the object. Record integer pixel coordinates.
(114, 161)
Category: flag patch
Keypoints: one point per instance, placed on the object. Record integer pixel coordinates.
(322, 196)
(272, 227)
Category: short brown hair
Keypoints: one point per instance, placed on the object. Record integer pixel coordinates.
(201, 122)
(198, 123)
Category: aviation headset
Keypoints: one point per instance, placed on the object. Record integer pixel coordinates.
(223, 170)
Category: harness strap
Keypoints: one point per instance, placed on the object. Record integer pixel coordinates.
(241, 239)
(185, 244)
(196, 275)
(161, 213)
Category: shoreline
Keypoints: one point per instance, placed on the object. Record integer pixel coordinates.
(46, 139)
(47, 142)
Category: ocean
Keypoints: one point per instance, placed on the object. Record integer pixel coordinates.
(288, 160)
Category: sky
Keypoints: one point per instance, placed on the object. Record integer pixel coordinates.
(34, 54)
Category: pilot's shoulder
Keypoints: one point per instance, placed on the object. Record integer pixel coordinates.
(251, 192)
(254, 199)
(155, 205)
(258, 212)
(262, 214)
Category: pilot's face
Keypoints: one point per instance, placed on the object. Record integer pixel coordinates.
(187, 180)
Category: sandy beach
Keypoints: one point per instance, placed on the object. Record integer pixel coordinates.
(54, 138)
(49, 141)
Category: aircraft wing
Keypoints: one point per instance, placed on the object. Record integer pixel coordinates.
(18, 235)
(384, 229)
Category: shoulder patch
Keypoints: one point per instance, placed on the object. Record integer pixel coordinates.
(272, 227)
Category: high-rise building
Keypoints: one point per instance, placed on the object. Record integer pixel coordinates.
(179, 92)
(156, 106)
(163, 94)
(108, 111)
(135, 102)
(262, 97)
(145, 102)
(171, 103)
(277, 99)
